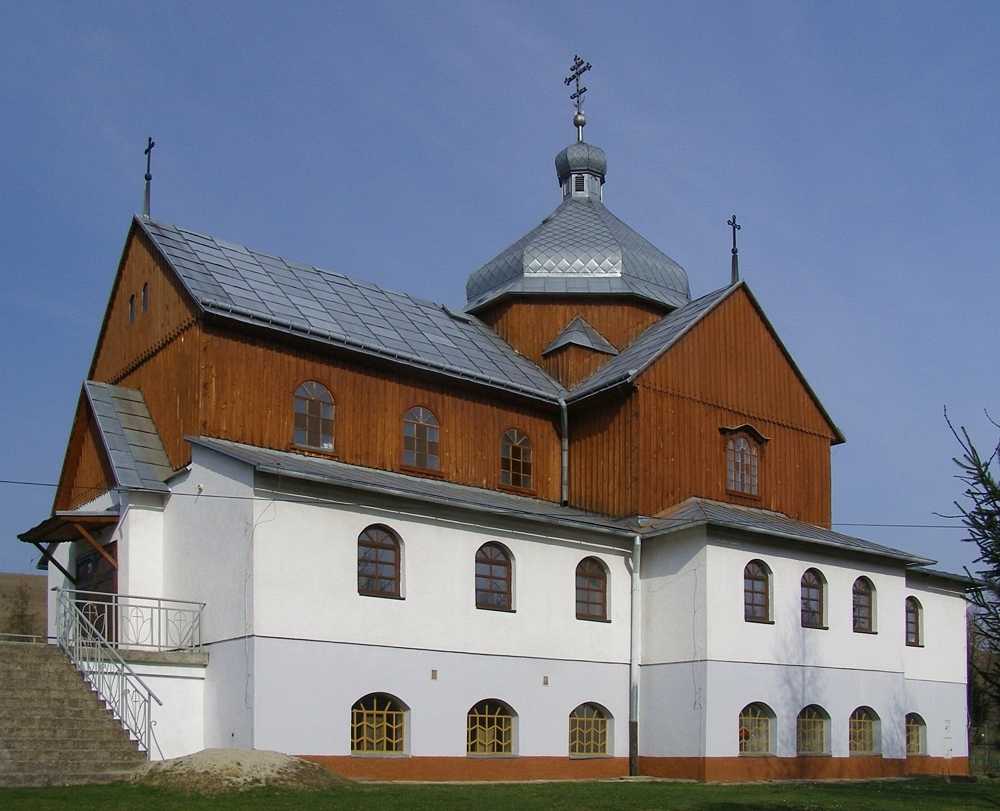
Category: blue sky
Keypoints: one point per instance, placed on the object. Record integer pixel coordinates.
(406, 144)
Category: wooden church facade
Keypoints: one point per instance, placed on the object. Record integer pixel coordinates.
(568, 482)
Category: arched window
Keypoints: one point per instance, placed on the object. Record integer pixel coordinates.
(493, 579)
(755, 729)
(913, 611)
(490, 729)
(863, 732)
(591, 590)
(378, 562)
(420, 439)
(515, 459)
(916, 735)
(377, 724)
(313, 416)
(756, 592)
(812, 599)
(145, 297)
(131, 309)
(810, 732)
(741, 465)
(588, 730)
(864, 606)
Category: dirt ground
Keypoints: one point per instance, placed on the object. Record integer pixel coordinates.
(217, 771)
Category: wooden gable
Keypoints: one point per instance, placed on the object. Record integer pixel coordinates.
(727, 371)
(86, 471)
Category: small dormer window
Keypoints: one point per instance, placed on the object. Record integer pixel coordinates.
(579, 183)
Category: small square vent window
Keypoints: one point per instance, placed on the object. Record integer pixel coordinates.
(578, 180)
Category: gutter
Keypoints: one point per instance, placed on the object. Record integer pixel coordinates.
(633, 662)
(564, 442)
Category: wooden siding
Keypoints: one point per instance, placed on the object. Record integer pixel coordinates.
(86, 472)
(248, 383)
(122, 344)
(646, 450)
(530, 323)
(572, 364)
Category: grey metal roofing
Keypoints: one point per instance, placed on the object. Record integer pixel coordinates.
(693, 512)
(242, 284)
(328, 471)
(698, 511)
(581, 248)
(581, 157)
(581, 332)
(138, 459)
(651, 343)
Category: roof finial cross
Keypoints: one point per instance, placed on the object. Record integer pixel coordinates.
(145, 199)
(578, 69)
(736, 262)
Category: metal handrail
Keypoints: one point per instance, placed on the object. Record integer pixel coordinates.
(130, 621)
(118, 685)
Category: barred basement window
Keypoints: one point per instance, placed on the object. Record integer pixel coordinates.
(588, 731)
(755, 730)
(591, 590)
(420, 439)
(913, 636)
(812, 599)
(863, 606)
(313, 416)
(916, 734)
(810, 732)
(741, 466)
(493, 578)
(378, 562)
(756, 592)
(490, 728)
(515, 459)
(863, 732)
(377, 724)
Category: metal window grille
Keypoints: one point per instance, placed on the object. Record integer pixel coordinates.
(377, 725)
(862, 733)
(862, 609)
(914, 735)
(313, 416)
(588, 731)
(492, 577)
(490, 729)
(912, 621)
(755, 731)
(378, 563)
(515, 460)
(420, 439)
(755, 593)
(810, 733)
(591, 590)
(741, 466)
(812, 599)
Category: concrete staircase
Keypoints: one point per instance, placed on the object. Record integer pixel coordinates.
(54, 730)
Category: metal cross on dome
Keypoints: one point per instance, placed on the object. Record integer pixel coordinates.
(579, 68)
(736, 262)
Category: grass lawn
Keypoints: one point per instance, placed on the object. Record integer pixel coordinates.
(905, 795)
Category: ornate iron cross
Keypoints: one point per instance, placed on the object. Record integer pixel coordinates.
(736, 262)
(147, 152)
(579, 68)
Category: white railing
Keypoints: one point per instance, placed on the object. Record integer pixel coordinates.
(125, 694)
(142, 623)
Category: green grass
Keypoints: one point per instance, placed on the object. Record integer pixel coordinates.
(598, 796)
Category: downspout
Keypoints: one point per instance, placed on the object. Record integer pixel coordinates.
(633, 662)
(564, 439)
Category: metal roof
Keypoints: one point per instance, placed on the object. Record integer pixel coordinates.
(581, 248)
(694, 512)
(242, 284)
(651, 343)
(580, 332)
(697, 511)
(138, 459)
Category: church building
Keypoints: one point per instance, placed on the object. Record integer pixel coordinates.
(578, 528)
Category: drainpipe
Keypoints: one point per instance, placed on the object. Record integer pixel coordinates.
(564, 435)
(633, 663)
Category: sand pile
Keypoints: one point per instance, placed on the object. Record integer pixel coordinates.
(215, 771)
